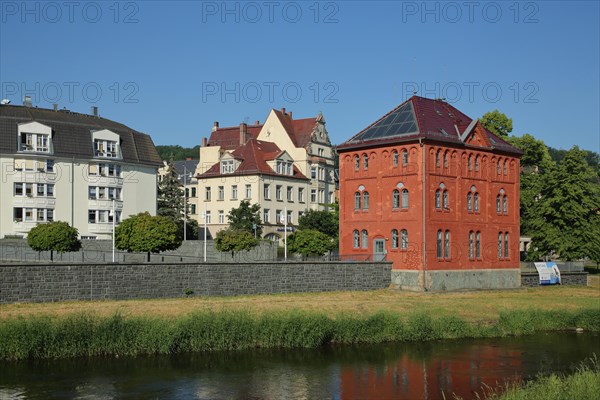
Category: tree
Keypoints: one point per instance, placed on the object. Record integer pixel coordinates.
(322, 221)
(54, 236)
(233, 240)
(170, 199)
(177, 152)
(310, 242)
(535, 152)
(497, 123)
(245, 217)
(566, 217)
(145, 233)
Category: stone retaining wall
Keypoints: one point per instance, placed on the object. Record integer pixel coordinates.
(532, 279)
(62, 282)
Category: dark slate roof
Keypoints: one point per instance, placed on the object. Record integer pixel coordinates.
(419, 117)
(71, 134)
(187, 166)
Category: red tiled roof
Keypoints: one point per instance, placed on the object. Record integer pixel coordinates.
(253, 155)
(299, 130)
(229, 137)
(436, 120)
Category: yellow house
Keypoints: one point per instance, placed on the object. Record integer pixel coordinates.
(286, 165)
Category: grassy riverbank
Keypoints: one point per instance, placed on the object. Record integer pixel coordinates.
(81, 335)
(474, 306)
(584, 384)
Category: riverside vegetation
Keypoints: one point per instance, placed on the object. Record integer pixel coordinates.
(583, 384)
(85, 334)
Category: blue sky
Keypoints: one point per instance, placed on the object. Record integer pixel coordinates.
(172, 68)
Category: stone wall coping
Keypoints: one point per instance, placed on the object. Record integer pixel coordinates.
(182, 264)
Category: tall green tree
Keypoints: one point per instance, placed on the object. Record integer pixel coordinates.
(535, 151)
(310, 242)
(245, 217)
(177, 153)
(54, 236)
(170, 199)
(497, 123)
(145, 233)
(234, 240)
(566, 216)
(322, 221)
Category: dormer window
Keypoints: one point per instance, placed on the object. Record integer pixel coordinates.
(227, 167)
(106, 144)
(284, 167)
(35, 137)
(105, 148)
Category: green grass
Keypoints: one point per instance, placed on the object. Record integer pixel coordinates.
(84, 335)
(584, 384)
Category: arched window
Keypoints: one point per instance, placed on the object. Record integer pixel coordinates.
(505, 169)
(404, 198)
(478, 245)
(476, 202)
(365, 239)
(471, 245)
(395, 158)
(469, 201)
(396, 198)
(498, 204)
(445, 199)
(404, 239)
(365, 200)
(505, 205)
(365, 161)
(506, 245)
(437, 158)
(477, 163)
(500, 245)
(470, 162)
(405, 157)
(499, 168)
(394, 238)
(357, 201)
(439, 244)
(356, 239)
(447, 244)
(446, 159)
(438, 200)
(356, 163)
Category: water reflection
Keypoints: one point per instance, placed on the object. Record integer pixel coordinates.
(391, 371)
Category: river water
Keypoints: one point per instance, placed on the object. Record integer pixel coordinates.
(389, 371)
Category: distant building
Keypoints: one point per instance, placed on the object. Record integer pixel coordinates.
(286, 165)
(67, 166)
(433, 191)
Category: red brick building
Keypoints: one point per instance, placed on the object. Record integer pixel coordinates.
(433, 191)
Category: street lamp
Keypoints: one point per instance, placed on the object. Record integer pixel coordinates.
(114, 216)
(283, 219)
(204, 217)
(184, 202)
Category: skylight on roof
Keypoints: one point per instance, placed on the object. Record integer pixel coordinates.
(399, 122)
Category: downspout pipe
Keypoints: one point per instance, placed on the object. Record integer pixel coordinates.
(424, 210)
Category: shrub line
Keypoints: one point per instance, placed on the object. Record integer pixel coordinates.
(87, 335)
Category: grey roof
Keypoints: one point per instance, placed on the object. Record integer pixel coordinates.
(188, 166)
(71, 134)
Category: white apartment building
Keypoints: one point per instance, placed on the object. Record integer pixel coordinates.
(285, 165)
(59, 165)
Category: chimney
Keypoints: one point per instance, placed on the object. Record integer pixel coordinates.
(257, 122)
(55, 107)
(204, 142)
(243, 132)
(290, 114)
(94, 111)
(283, 110)
(215, 126)
(27, 101)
